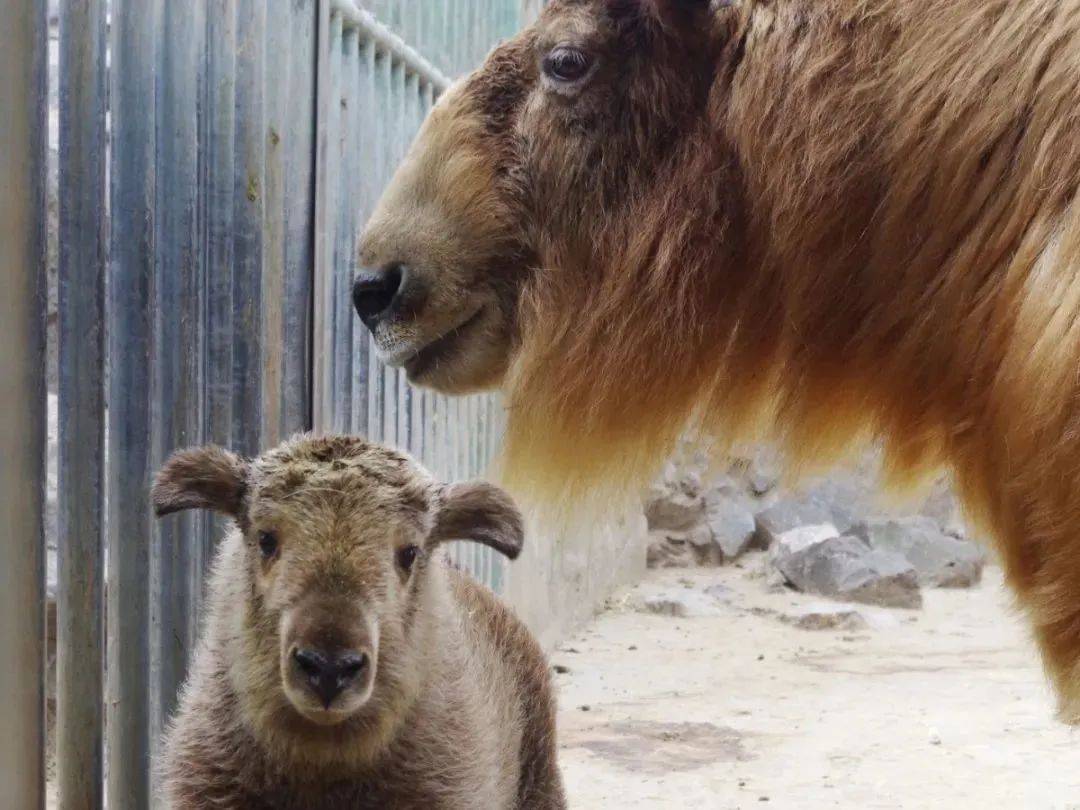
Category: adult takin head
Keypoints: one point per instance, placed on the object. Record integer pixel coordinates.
(339, 641)
(812, 220)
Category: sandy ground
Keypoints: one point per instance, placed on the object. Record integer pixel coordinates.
(734, 708)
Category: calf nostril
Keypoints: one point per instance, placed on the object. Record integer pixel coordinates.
(351, 664)
(373, 293)
(329, 674)
(311, 663)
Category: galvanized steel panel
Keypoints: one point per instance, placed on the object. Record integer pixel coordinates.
(22, 401)
(249, 142)
(80, 613)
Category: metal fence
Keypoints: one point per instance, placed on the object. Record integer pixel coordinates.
(216, 159)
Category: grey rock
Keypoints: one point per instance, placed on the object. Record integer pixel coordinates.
(762, 484)
(940, 504)
(828, 615)
(682, 549)
(678, 602)
(822, 616)
(939, 560)
(801, 537)
(721, 593)
(732, 523)
(786, 515)
(757, 475)
(674, 509)
(847, 568)
(763, 472)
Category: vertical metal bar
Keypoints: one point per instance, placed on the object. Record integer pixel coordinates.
(177, 381)
(135, 34)
(326, 147)
(360, 153)
(299, 144)
(81, 410)
(341, 274)
(219, 157)
(22, 402)
(249, 200)
(272, 292)
(219, 125)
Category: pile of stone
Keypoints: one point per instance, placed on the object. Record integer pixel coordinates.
(831, 538)
(694, 523)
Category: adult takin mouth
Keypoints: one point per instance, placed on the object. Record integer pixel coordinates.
(444, 347)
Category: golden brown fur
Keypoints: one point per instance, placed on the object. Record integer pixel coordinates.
(460, 713)
(816, 221)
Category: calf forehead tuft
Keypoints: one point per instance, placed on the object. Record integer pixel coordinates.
(344, 464)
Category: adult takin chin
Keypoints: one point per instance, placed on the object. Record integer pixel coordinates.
(816, 221)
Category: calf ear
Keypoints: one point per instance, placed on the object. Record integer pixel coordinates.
(201, 478)
(481, 512)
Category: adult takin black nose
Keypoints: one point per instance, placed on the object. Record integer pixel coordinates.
(328, 674)
(378, 295)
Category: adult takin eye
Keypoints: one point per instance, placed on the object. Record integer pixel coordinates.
(406, 556)
(566, 64)
(268, 544)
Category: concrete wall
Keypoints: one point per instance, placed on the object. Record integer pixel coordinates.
(564, 575)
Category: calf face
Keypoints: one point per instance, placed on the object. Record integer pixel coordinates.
(339, 538)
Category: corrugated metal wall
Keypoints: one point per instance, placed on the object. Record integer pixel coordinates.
(214, 168)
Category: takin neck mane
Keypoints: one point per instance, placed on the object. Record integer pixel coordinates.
(864, 234)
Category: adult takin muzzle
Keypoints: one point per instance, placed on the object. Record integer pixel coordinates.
(344, 664)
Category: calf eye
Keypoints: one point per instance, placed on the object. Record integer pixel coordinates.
(268, 544)
(566, 64)
(406, 556)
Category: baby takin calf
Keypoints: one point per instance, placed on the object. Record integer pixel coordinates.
(344, 664)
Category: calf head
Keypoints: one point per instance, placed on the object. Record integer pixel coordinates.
(338, 539)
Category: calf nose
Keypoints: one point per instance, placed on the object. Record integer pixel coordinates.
(374, 293)
(329, 674)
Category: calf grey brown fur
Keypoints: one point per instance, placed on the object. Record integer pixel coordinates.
(344, 663)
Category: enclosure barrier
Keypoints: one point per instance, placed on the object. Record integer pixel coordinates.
(216, 159)
(80, 420)
(22, 402)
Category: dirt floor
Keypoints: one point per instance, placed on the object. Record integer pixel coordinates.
(735, 706)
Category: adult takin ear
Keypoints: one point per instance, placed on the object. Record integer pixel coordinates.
(692, 13)
(481, 512)
(672, 15)
(201, 478)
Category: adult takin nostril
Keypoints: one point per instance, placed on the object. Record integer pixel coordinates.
(374, 293)
(330, 674)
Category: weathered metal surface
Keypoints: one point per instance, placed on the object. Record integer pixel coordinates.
(133, 106)
(249, 142)
(22, 401)
(80, 610)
